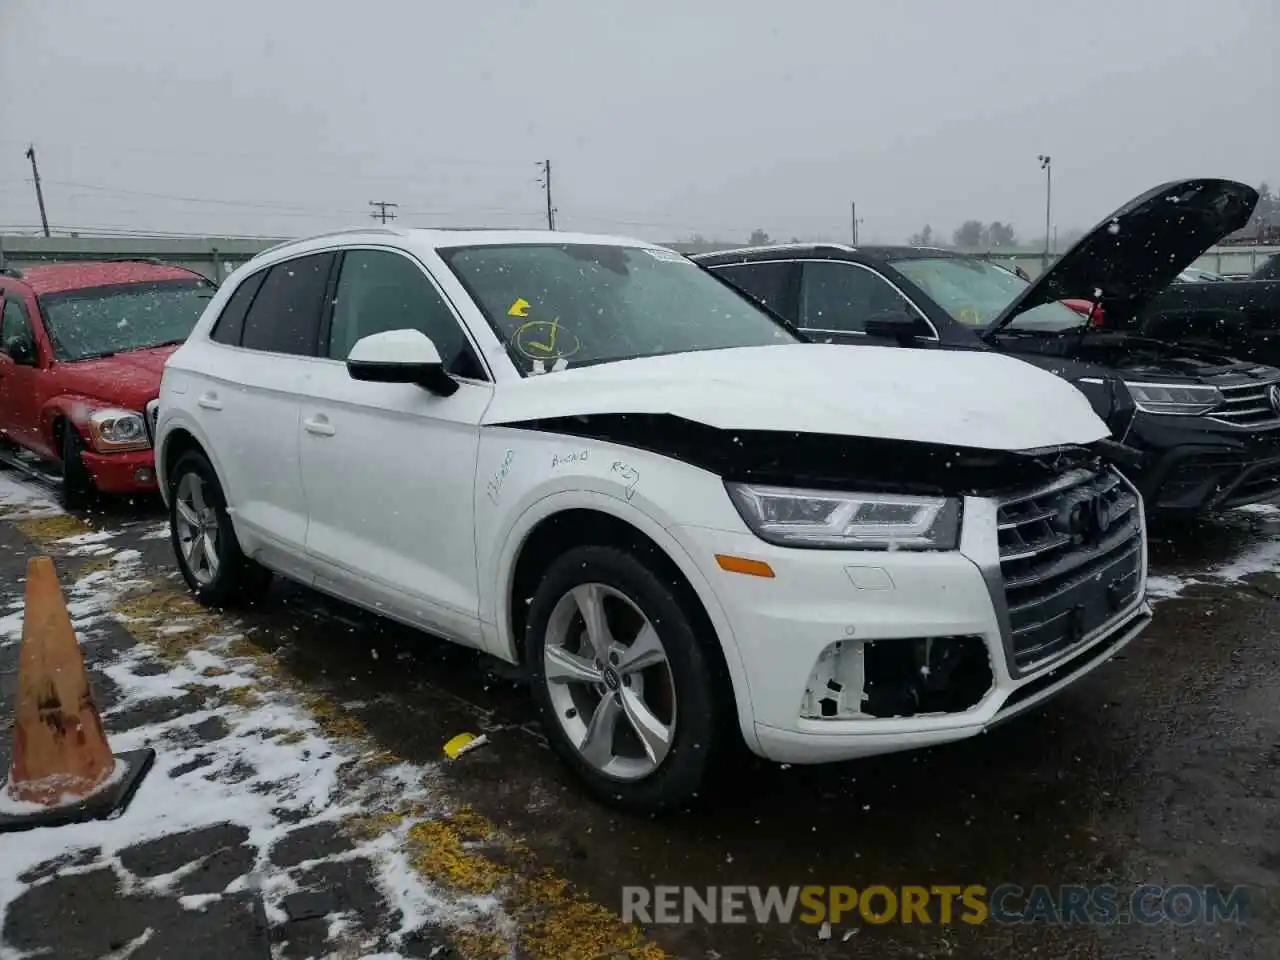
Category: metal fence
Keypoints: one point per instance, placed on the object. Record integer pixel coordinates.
(216, 257)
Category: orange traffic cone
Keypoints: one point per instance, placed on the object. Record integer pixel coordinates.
(62, 765)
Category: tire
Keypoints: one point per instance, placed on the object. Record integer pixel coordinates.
(77, 486)
(635, 778)
(232, 579)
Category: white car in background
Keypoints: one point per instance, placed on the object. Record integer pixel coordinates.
(591, 457)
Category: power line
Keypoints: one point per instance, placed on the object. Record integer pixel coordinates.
(381, 212)
(284, 160)
(248, 204)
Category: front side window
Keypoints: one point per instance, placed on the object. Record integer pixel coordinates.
(285, 314)
(559, 305)
(380, 291)
(101, 321)
(975, 292)
(840, 296)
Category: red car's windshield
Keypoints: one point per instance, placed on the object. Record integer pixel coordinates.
(100, 321)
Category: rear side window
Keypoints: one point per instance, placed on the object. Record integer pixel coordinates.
(766, 283)
(230, 324)
(285, 315)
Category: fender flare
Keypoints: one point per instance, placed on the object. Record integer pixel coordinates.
(503, 644)
(164, 434)
(74, 407)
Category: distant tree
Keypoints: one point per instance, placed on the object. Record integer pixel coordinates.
(759, 238)
(1267, 211)
(794, 240)
(969, 235)
(1001, 235)
(922, 239)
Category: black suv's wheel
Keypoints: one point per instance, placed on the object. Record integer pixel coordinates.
(621, 680)
(77, 485)
(204, 541)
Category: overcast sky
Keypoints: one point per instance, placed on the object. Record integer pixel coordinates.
(661, 118)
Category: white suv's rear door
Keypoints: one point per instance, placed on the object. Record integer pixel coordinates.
(249, 403)
(389, 469)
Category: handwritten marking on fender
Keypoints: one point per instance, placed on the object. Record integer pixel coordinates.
(630, 476)
(494, 487)
(560, 459)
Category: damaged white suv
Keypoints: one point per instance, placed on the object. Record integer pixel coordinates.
(591, 457)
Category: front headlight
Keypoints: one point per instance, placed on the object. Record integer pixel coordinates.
(116, 431)
(1174, 398)
(847, 521)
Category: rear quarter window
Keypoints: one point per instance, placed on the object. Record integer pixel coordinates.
(230, 323)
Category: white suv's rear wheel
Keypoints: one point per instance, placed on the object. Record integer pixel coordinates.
(621, 680)
(204, 541)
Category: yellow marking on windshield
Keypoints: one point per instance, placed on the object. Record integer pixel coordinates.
(519, 309)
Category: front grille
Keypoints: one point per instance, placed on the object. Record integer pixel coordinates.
(1071, 558)
(152, 418)
(1248, 405)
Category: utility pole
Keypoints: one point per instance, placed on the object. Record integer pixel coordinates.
(381, 213)
(35, 175)
(853, 216)
(545, 167)
(1046, 165)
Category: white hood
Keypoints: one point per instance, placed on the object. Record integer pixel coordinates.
(966, 398)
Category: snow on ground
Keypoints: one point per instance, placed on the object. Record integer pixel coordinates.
(20, 501)
(1260, 556)
(274, 771)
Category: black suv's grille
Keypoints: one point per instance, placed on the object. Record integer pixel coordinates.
(1248, 405)
(1071, 556)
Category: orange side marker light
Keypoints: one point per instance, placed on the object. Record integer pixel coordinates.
(752, 568)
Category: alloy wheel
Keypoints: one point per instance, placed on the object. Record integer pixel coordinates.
(197, 528)
(609, 681)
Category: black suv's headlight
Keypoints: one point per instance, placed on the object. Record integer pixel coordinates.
(793, 517)
(1188, 400)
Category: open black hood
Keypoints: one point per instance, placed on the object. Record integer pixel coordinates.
(1141, 248)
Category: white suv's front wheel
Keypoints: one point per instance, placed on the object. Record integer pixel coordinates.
(621, 680)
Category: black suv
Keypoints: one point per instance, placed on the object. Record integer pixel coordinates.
(1208, 426)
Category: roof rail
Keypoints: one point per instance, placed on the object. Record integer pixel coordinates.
(759, 248)
(384, 231)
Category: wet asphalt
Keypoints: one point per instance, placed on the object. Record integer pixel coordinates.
(1159, 768)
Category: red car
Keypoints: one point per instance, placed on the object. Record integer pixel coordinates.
(82, 348)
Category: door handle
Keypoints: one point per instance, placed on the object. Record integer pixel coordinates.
(210, 401)
(320, 426)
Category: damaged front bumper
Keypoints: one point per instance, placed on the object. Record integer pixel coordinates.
(856, 653)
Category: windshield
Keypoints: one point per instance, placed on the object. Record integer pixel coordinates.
(976, 291)
(100, 321)
(561, 305)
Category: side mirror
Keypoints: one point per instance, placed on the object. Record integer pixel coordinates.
(20, 351)
(400, 356)
(902, 327)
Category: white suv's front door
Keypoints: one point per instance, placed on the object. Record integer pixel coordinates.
(389, 469)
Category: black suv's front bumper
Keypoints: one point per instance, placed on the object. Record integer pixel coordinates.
(1194, 464)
